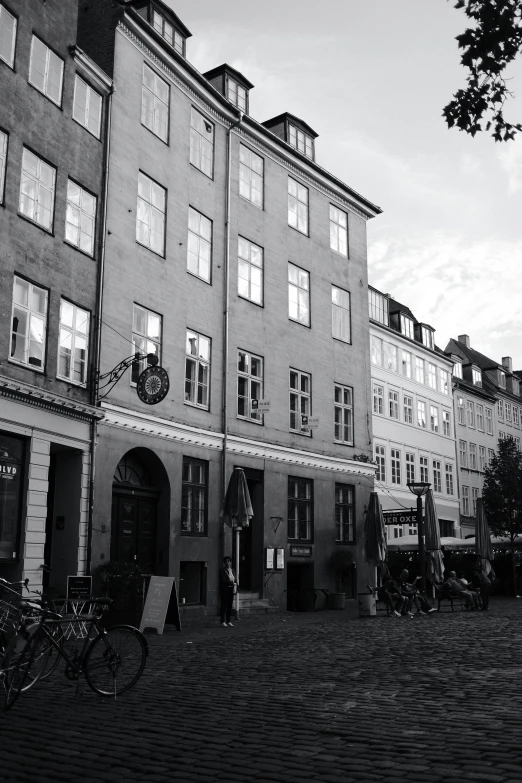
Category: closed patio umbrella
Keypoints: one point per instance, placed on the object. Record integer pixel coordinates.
(374, 533)
(483, 538)
(237, 511)
(432, 532)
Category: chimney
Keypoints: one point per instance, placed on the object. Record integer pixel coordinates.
(464, 338)
(507, 363)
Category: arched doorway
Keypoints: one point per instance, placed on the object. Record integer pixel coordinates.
(135, 501)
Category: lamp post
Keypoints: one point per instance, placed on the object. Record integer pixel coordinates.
(419, 488)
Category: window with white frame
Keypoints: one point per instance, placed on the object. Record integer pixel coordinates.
(501, 435)
(197, 370)
(419, 369)
(146, 337)
(301, 141)
(37, 190)
(474, 498)
(395, 456)
(516, 386)
(444, 381)
(80, 218)
(201, 142)
(393, 404)
(300, 401)
(465, 500)
(406, 326)
(251, 176)
(378, 399)
(297, 206)
(491, 454)
(167, 31)
(343, 414)
(421, 414)
(250, 271)
(480, 417)
(500, 409)
(507, 409)
(427, 337)
(482, 458)
(378, 306)
(29, 324)
(344, 513)
(300, 509)
(434, 418)
(408, 409)
(437, 476)
(390, 357)
(461, 418)
(473, 456)
(87, 107)
(8, 24)
(476, 377)
(341, 315)
(515, 416)
(489, 421)
(410, 467)
(155, 101)
(73, 344)
(338, 230)
(249, 385)
(424, 470)
(236, 94)
(457, 369)
(449, 479)
(46, 70)
(463, 449)
(502, 379)
(199, 246)
(150, 219)
(406, 364)
(432, 375)
(298, 295)
(446, 423)
(3, 162)
(517, 443)
(470, 413)
(376, 350)
(380, 459)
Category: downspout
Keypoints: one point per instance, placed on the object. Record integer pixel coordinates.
(457, 453)
(99, 308)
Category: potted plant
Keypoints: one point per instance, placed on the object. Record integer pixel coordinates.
(341, 561)
(124, 583)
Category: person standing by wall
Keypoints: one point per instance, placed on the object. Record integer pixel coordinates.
(483, 584)
(227, 590)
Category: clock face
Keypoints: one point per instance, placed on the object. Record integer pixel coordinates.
(153, 385)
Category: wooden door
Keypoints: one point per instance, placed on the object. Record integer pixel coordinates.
(134, 531)
(146, 535)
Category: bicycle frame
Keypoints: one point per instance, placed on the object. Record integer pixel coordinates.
(93, 623)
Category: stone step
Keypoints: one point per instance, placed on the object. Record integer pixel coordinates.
(252, 603)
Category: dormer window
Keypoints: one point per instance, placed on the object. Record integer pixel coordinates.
(301, 141)
(427, 337)
(378, 304)
(406, 326)
(476, 377)
(236, 94)
(168, 32)
(457, 370)
(501, 379)
(516, 386)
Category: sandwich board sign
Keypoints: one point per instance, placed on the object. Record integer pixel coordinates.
(79, 587)
(161, 588)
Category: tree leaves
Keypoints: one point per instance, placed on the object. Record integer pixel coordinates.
(488, 48)
(502, 490)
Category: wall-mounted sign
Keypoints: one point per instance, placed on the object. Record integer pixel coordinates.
(313, 422)
(79, 587)
(300, 551)
(263, 406)
(269, 559)
(11, 481)
(400, 517)
(280, 559)
(153, 385)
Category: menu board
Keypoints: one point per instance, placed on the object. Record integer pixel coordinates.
(157, 603)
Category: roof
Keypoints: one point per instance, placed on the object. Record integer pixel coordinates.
(167, 10)
(225, 68)
(396, 307)
(287, 116)
(483, 362)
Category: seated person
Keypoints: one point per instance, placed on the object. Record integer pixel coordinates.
(482, 584)
(411, 593)
(461, 579)
(470, 596)
(390, 593)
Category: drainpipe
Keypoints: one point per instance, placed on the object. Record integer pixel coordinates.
(99, 297)
(226, 312)
(455, 388)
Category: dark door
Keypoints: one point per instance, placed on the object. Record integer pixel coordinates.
(134, 531)
(299, 586)
(251, 537)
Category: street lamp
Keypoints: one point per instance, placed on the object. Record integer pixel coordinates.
(420, 488)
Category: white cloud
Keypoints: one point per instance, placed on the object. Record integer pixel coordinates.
(510, 157)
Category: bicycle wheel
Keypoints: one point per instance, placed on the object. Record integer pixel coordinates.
(115, 660)
(23, 666)
(53, 655)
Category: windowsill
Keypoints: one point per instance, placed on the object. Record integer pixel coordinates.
(344, 443)
(246, 299)
(302, 434)
(166, 142)
(338, 253)
(34, 223)
(26, 366)
(58, 105)
(195, 405)
(198, 277)
(249, 201)
(8, 65)
(340, 340)
(350, 542)
(98, 138)
(71, 383)
(299, 323)
(75, 247)
(303, 233)
(208, 176)
(193, 535)
(250, 420)
(151, 250)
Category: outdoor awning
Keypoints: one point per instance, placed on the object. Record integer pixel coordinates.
(410, 543)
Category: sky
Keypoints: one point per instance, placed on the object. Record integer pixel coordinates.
(372, 77)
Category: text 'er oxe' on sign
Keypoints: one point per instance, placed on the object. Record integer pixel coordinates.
(157, 603)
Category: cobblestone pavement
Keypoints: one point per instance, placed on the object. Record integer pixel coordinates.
(291, 699)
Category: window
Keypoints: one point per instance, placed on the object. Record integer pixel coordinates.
(192, 582)
(390, 357)
(194, 496)
(489, 421)
(301, 141)
(380, 459)
(199, 247)
(7, 36)
(344, 513)
(470, 413)
(434, 418)
(446, 423)
(406, 364)
(419, 370)
(87, 107)
(45, 70)
(482, 458)
(298, 295)
(80, 218)
(236, 94)
(197, 370)
(457, 369)
(146, 337)
(517, 442)
(378, 305)
(341, 314)
(406, 326)
(297, 206)
(376, 350)
(300, 509)
(423, 463)
(501, 435)
(515, 416)
(251, 176)
(13, 453)
(201, 143)
(249, 385)
(408, 409)
(250, 271)
(516, 386)
(300, 401)
(437, 476)
(421, 414)
(501, 379)
(338, 231)
(473, 456)
(507, 408)
(480, 417)
(427, 337)
(449, 479)
(378, 399)
(465, 501)
(37, 190)
(432, 375)
(446, 528)
(460, 411)
(474, 497)
(343, 421)
(155, 99)
(3, 154)
(395, 466)
(463, 448)
(29, 324)
(150, 219)
(74, 343)
(393, 404)
(444, 381)
(500, 409)
(167, 31)
(476, 376)
(410, 467)
(491, 454)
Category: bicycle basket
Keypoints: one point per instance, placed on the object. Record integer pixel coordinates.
(10, 614)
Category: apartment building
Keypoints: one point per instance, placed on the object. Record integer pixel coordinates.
(53, 109)
(241, 263)
(412, 415)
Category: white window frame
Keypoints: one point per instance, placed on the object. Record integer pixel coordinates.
(378, 307)
(44, 89)
(444, 381)
(427, 337)
(507, 411)
(489, 420)
(419, 369)
(446, 423)
(376, 350)
(461, 411)
(406, 363)
(200, 361)
(395, 465)
(9, 60)
(158, 104)
(199, 245)
(449, 480)
(479, 415)
(237, 94)
(300, 401)
(407, 408)
(380, 459)
(250, 271)
(93, 106)
(476, 376)
(147, 341)
(154, 210)
(76, 335)
(434, 418)
(298, 201)
(79, 216)
(424, 470)
(40, 189)
(301, 294)
(474, 498)
(4, 143)
(407, 326)
(457, 370)
(463, 453)
(421, 414)
(470, 414)
(410, 467)
(482, 458)
(437, 476)
(35, 324)
(341, 315)
(343, 414)
(393, 404)
(390, 357)
(251, 180)
(502, 379)
(300, 141)
(338, 231)
(500, 409)
(465, 501)
(432, 375)
(378, 399)
(199, 145)
(251, 382)
(516, 420)
(473, 456)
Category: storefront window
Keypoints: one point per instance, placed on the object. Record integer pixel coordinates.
(11, 471)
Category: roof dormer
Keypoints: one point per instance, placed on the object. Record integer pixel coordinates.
(425, 334)
(165, 23)
(295, 132)
(232, 84)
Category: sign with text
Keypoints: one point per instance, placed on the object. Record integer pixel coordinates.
(269, 559)
(300, 551)
(280, 559)
(401, 517)
(157, 603)
(79, 587)
(262, 406)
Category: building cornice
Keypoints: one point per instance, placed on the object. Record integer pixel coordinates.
(408, 342)
(89, 68)
(144, 423)
(35, 396)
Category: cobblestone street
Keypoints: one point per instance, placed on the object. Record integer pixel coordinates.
(293, 698)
